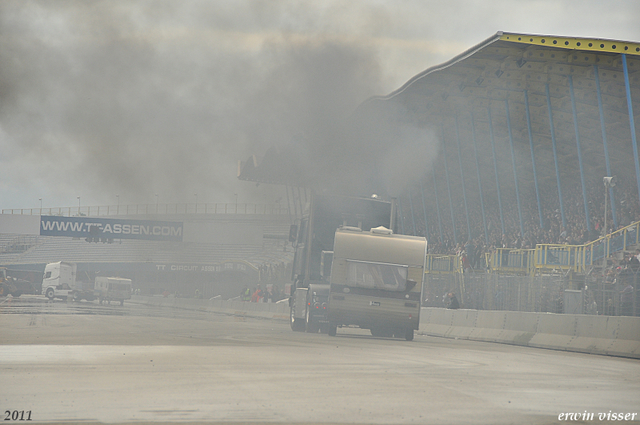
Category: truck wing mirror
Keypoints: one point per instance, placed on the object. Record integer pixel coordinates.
(410, 284)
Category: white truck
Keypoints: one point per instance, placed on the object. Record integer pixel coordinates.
(376, 281)
(61, 280)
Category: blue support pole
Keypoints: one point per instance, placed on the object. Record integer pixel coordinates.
(424, 211)
(604, 144)
(533, 157)
(555, 156)
(631, 120)
(513, 162)
(495, 168)
(575, 127)
(475, 151)
(435, 190)
(413, 219)
(464, 189)
(446, 172)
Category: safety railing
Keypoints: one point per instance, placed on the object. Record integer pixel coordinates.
(595, 252)
(559, 257)
(443, 264)
(546, 257)
(516, 261)
(581, 258)
(153, 209)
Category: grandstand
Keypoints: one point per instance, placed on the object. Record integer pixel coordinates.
(523, 128)
(526, 127)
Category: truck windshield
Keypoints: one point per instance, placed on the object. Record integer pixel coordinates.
(391, 277)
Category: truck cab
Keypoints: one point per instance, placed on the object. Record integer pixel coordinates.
(60, 280)
(313, 238)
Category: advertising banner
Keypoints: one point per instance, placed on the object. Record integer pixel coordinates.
(107, 228)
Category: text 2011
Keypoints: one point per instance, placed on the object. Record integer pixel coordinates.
(17, 415)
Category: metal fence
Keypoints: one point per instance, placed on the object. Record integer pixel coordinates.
(151, 209)
(548, 293)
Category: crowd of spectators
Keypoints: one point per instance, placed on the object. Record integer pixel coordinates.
(270, 294)
(574, 232)
(618, 296)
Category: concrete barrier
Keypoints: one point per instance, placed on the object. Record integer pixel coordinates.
(607, 335)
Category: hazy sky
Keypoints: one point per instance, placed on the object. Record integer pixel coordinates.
(137, 98)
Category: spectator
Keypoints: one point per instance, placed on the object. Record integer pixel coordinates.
(258, 295)
(452, 301)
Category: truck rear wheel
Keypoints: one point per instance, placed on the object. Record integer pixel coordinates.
(49, 293)
(333, 329)
(409, 334)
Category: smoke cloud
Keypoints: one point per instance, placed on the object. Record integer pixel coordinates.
(143, 98)
(107, 98)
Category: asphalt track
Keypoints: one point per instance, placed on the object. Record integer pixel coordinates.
(82, 362)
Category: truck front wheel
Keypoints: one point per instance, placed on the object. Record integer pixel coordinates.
(311, 326)
(49, 293)
(333, 329)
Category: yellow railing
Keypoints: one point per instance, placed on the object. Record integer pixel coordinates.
(443, 264)
(559, 257)
(620, 240)
(507, 260)
(581, 258)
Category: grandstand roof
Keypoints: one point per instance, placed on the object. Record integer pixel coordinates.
(520, 69)
(516, 75)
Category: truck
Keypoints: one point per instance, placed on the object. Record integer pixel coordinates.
(376, 281)
(61, 280)
(313, 239)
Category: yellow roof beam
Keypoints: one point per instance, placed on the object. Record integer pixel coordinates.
(573, 43)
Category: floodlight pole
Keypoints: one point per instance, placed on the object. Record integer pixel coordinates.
(608, 183)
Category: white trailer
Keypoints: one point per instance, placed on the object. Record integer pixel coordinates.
(109, 289)
(376, 281)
